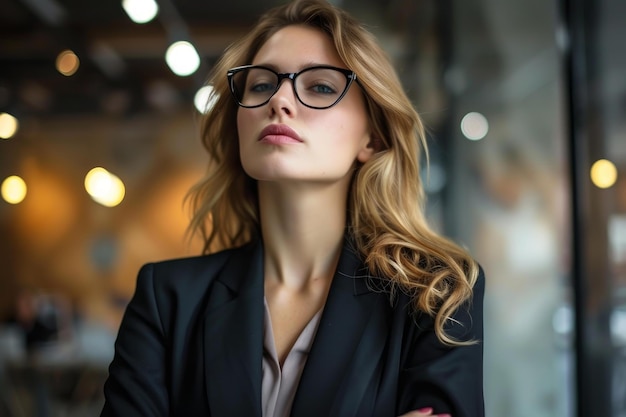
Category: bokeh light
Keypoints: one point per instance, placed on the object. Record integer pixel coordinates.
(474, 126)
(8, 125)
(104, 187)
(140, 11)
(67, 63)
(204, 100)
(13, 189)
(603, 173)
(182, 58)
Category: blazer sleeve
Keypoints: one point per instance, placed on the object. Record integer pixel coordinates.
(136, 382)
(449, 379)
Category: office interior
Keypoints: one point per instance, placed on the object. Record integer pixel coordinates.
(525, 108)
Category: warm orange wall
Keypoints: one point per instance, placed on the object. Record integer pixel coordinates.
(48, 240)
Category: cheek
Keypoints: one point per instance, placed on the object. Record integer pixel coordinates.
(354, 119)
(245, 126)
(353, 130)
(244, 135)
(241, 123)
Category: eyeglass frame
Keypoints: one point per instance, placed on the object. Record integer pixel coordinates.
(350, 77)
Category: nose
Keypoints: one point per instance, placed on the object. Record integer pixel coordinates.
(284, 99)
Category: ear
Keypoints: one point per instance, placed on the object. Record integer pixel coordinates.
(367, 151)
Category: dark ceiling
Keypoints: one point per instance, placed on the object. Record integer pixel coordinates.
(122, 66)
(122, 63)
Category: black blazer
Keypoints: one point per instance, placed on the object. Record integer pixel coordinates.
(191, 344)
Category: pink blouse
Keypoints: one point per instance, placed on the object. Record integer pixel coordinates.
(279, 386)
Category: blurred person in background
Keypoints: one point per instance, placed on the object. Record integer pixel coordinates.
(323, 291)
(44, 319)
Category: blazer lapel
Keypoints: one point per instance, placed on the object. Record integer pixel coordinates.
(349, 342)
(233, 336)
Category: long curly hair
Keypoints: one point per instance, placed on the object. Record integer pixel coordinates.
(386, 199)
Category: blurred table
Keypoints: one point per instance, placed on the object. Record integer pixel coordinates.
(53, 388)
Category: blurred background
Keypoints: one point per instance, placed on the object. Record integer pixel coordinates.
(525, 105)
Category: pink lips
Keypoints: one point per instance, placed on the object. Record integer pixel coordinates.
(278, 134)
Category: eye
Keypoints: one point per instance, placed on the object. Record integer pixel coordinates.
(321, 81)
(260, 81)
(323, 89)
(261, 87)
(319, 86)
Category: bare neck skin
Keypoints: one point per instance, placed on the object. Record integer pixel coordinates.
(303, 227)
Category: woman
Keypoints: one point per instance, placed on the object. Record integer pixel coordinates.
(323, 291)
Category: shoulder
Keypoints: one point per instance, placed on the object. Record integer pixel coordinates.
(177, 290)
(478, 288)
(465, 322)
(188, 272)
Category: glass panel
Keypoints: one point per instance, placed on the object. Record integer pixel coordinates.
(607, 141)
(508, 199)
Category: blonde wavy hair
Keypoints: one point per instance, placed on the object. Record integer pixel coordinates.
(386, 199)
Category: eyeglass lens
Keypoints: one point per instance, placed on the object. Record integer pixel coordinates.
(314, 87)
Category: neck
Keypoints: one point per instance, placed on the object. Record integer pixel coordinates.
(303, 229)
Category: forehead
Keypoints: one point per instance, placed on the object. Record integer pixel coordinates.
(298, 46)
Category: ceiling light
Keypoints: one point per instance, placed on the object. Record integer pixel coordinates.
(13, 189)
(140, 11)
(67, 63)
(8, 125)
(182, 58)
(104, 187)
(205, 99)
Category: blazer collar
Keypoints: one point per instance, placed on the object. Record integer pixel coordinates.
(233, 335)
(349, 343)
(349, 340)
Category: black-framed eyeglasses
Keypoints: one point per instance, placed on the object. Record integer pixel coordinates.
(319, 87)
